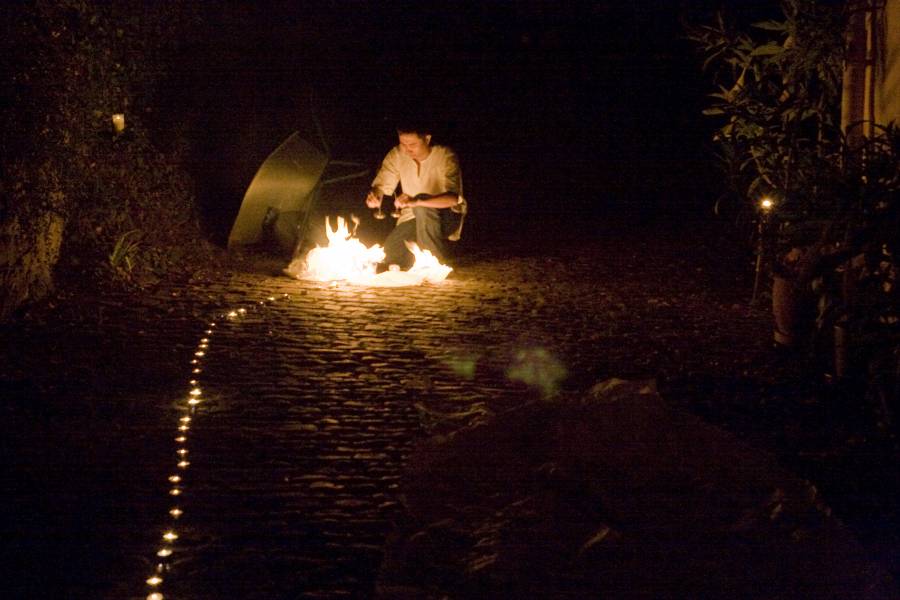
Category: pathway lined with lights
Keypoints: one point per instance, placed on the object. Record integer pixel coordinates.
(307, 406)
(301, 406)
(295, 425)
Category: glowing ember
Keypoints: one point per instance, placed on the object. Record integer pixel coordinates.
(345, 258)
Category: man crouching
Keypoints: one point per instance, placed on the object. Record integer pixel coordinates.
(429, 203)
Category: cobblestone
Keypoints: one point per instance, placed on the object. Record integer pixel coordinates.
(310, 406)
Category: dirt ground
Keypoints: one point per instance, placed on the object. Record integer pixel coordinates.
(717, 467)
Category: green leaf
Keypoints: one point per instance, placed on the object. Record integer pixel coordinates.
(771, 25)
(769, 49)
(809, 112)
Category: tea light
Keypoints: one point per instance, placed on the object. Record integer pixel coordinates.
(118, 121)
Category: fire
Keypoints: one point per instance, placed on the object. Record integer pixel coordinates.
(345, 258)
(426, 265)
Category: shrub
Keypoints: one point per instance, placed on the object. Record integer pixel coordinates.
(74, 64)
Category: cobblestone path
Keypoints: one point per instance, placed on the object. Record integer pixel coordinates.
(309, 412)
(311, 405)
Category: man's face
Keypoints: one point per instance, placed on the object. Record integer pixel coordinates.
(415, 146)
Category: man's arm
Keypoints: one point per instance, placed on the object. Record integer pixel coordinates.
(445, 200)
(388, 175)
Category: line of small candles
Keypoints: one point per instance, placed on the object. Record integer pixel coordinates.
(176, 479)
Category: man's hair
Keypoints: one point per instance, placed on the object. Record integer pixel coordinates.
(415, 126)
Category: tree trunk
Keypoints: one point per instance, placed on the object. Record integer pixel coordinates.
(28, 253)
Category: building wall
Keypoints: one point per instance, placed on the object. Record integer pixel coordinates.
(871, 94)
(887, 82)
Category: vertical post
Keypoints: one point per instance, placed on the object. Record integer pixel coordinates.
(765, 206)
(760, 248)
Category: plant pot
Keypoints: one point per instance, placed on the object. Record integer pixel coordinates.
(785, 310)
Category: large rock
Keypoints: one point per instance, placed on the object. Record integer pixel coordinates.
(616, 495)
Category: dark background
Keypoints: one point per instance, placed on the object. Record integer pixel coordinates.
(565, 115)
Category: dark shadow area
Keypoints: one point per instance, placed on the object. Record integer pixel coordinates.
(822, 431)
(564, 120)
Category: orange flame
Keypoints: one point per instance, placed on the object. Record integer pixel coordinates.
(345, 258)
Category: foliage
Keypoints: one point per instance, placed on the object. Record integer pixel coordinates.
(779, 90)
(836, 226)
(74, 63)
(125, 249)
(853, 269)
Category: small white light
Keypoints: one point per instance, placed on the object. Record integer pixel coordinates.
(196, 392)
(175, 492)
(155, 580)
(242, 310)
(194, 401)
(182, 451)
(183, 464)
(118, 121)
(766, 204)
(232, 314)
(176, 512)
(170, 536)
(271, 298)
(185, 419)
(174, 478)
(155, 596)
(183, 428)
(199, 353)
(197, 371)
(204, 340)
(164, 552)
(181, 439)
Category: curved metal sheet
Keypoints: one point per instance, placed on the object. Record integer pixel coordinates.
(282, 192)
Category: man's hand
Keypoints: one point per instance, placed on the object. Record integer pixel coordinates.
(373, 200)
(404, 200)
